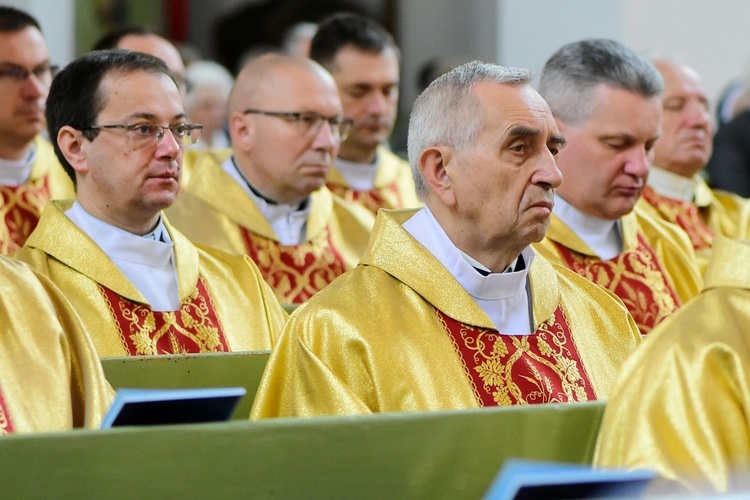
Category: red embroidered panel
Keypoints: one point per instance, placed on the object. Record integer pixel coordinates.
(20, 208)
(543, 367)
(6, 424)
(636, 276)
(372, 200)
(685, 215)
(295, 272)
(195, 328)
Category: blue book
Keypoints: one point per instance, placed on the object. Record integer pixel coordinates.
(172, 406)
(525, 479)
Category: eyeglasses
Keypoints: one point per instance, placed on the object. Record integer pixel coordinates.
(18, 74)
(309, 123)
(143, 135)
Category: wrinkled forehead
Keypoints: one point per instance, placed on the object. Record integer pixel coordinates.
(510, 105)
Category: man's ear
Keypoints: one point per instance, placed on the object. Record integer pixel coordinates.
(242, 133)
(437, 170)
(70, 142)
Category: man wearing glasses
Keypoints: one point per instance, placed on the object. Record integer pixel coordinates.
(29, 173)
(268, 199)
(119, 129)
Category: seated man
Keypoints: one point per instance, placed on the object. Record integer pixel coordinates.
(50, 376)
(140, 286)
(30, 174)
(675, 192)
(681, 403)
(605, 99)
(364, 59)
(450, 307)
(267, 199)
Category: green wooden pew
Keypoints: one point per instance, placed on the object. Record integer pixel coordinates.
(243, 369)
(447, 454)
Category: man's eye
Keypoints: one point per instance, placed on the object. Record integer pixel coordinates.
(15, 73)
(308, 119)
(143, 129)
(180, 130)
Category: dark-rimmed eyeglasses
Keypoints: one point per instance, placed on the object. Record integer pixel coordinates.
(308, 123)
(144, 134)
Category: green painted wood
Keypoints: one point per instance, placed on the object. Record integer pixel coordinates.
(243, 369)
(448, 454)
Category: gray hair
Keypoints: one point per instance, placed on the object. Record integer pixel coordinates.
(207, 74)
(572, 73)
(447, 112)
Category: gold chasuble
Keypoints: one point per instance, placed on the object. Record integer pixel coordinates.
(681, 404)
(713, 212)
(224, 303)
(50, 376)
(394, 185)
(653, 276)
(214, 210)
(399, 333)
(21, 206)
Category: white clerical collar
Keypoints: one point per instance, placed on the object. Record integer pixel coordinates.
(147, 261)
(502, 296)
(17, 172)
(602, 236)
(289, 222)
(671, 185)
(359, 176)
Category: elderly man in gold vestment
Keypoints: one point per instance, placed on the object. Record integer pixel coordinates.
(267, 197)
(681, 403)
(675, 191)
(140, 286)
(606, 101)
(450, 307)
(364, 61)
(30, 175)
(50, 375)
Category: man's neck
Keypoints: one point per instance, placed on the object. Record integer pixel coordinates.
(14, 150)
(357, 155)
(138, 226)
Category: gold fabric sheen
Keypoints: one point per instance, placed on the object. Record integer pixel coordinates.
(723, 213)
(214, 210)
(372, 341)
(50, 376)
(670, 244)
(681, 404)
(21, 206)
(393, 186)
(246, 306)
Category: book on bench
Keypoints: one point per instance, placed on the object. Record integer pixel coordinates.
(172, 406)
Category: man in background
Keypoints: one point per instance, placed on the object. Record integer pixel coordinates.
(364, 61)
(267, 199)
(675, 191)
(30, 175)
(606, 100)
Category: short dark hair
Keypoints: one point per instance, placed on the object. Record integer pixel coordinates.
(344, 28)
(111, 39)
(12, 20)
(75, 99)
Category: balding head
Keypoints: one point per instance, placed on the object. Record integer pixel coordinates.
(284, 120)
(157, 46)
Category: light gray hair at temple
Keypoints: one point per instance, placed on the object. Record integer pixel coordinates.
(447, 113)
(576, 69)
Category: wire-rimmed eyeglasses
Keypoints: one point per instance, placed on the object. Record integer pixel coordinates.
(309, 122)
(12, 73)
(147, 134)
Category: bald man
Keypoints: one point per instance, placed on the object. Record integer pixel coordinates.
(675, 191)
(267, 197)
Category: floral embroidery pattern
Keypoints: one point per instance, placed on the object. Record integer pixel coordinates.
(6, 425)
(295, 272)
(683, 214)
(636, 276)
(543, 367)
(373, 200)
(20, 208)
(194, 328)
